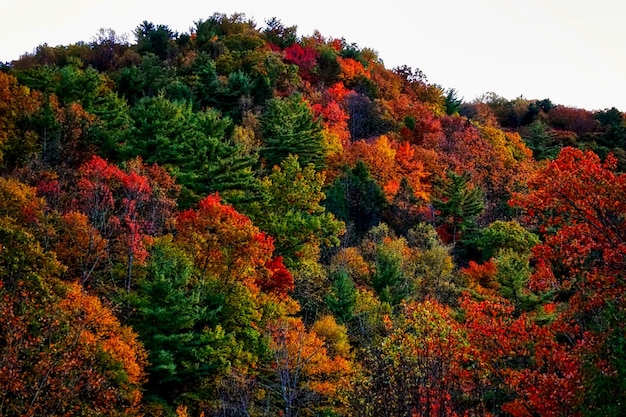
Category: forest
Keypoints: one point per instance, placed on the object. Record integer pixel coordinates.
(245, 221)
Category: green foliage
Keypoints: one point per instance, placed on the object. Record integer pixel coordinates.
(342, 299)
(328, 68)
(70, 83)
(453, 102)
(148, 79)
(156, 40)
(606, 391)
(502, 235)
(276, 33)
(356, 198)
(289, 210)
(193, 145)
(433, 275)
(388, 279)
(459, 203)
(541, 139)
(176, 318)
(113, 119)
(289, 128)
(513, 273)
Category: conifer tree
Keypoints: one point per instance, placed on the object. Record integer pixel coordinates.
(459, 204)
(342, 299)
(289, 128)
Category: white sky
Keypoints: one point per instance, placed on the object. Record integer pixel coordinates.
(571, 51)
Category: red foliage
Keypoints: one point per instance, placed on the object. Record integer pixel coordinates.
(280, 279)
(304, 57)
(225, 243)
(482, 277)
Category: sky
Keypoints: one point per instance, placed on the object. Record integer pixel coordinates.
(570, 51)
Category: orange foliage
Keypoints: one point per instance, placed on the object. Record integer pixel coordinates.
(303, 365)
(59, 357)
(389, 162)
(351, 260)
(15, 102)
(224, 243)
(482, 277)
(98, 326)
(351, 68)
(80, 246)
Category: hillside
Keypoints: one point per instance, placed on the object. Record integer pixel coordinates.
(245, 221)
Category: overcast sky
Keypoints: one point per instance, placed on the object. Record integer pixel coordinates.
(571, 51)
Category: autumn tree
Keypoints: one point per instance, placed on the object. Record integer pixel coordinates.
(225, 243)
(577, 202)
(422, 367)
(62, 349)
(307, 374)
(17, 102)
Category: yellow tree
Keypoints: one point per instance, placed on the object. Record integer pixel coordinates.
(307, 372)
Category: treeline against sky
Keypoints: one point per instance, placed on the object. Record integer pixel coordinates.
(244, 221)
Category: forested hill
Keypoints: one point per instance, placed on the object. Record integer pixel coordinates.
(245, 221)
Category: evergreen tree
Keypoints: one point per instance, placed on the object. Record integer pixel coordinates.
(176, 318)
(459, 203)
(289, 128)
(195, 146)
(356, 199)
(342, 299)
(289, 210)
(388, 279)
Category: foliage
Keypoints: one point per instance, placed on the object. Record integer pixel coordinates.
(459, 203)
(244, 221)
(289, 128)
(289, 210)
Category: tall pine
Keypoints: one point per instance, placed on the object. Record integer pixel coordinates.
(289, 128)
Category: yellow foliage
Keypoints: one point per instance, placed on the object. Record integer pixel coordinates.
(335, 335)
(351, 260)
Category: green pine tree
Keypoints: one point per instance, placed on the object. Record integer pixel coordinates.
(289, 128)
(342, 299)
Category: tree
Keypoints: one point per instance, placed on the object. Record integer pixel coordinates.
(501, 235)
(578, 203)
(226, 244)
(288, 128)
(290, 211)
(16, 102)
(305, 376)
(176, 318)
(367, 119)
(193, 145)
(453, 102)
(61, 349)
(155, 39)
(423, 367)
(355, 198)
(342, 299)
(458, 203)
(541, 139)
(390, 163)
(277, 34)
